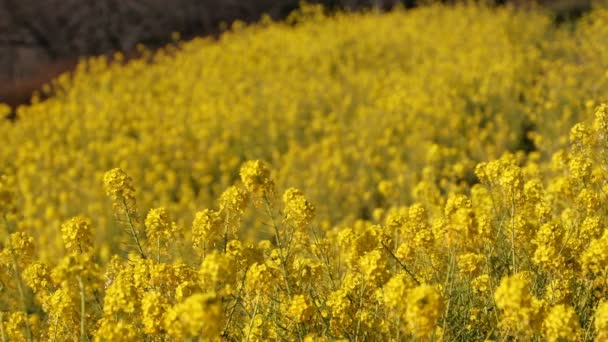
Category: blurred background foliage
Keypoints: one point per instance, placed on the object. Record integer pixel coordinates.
(40, 39)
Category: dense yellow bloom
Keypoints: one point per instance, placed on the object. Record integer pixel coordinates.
(481, 284)
(300, 309)
(424, 307)
(594, 259)
(14, 327)
(259, 279)
(601, 321)
(234, 200)
(558, 291)
(374, 266)
(341, 308)
(218, 271)
(600, 122)
(206, 229)
(121, 295)
(160, 230)
(395, 290)
(198, 315)
(519, 309)
(562, 324)
(7, 196)
(119, 187)
(77, 235)
(116, 331)
(256, 177)
(38, 277)
(297, 208)
(76, 266)
(471, 263)
(580, 136)
(22, 245)
(153, 307)
(4, 109)
(453, 159)
(307, 270)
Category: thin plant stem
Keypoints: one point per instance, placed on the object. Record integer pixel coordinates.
(513, 233)
(255, 311)
(82, 310)
(19, 281)
(283, 258)
(359, 308)
(133, 231)
(401, 264)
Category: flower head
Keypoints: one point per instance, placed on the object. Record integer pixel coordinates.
(76, 234)
(255, 175)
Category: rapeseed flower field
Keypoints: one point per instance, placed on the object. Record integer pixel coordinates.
(436, 174)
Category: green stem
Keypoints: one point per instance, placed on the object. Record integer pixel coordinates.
(359, 308)
(279, 246)
(401, 264)
(513, 233)
(158, 249)
(133, 230)
(282, 257)
(255, 311)
(233, 309)
(449, 280)
(225, 237)
(20, 288)
(82, 310)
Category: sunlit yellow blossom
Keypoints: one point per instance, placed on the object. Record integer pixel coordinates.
(580, 135)
(198, 315)
(519, 309)
(206, 229)
(259, 279)
(38, 277)
(14, 329)
(22, 245)
(341, 308)
(395, 290)
(594, 259)
(121, 295)
(153, 307)
(471, 263)
(4, 110)
(160, 230)
(300, 309)
(562, 324)
(297, 208)
(600, 122)
(601, 321)
(558, 291)
(374, 266)
(76, 234)
(119, 187)
(481, 284)
(217, 270)
(424, 307)
(256, 177)
(120, 330)
(306, 270)
(234, 200)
